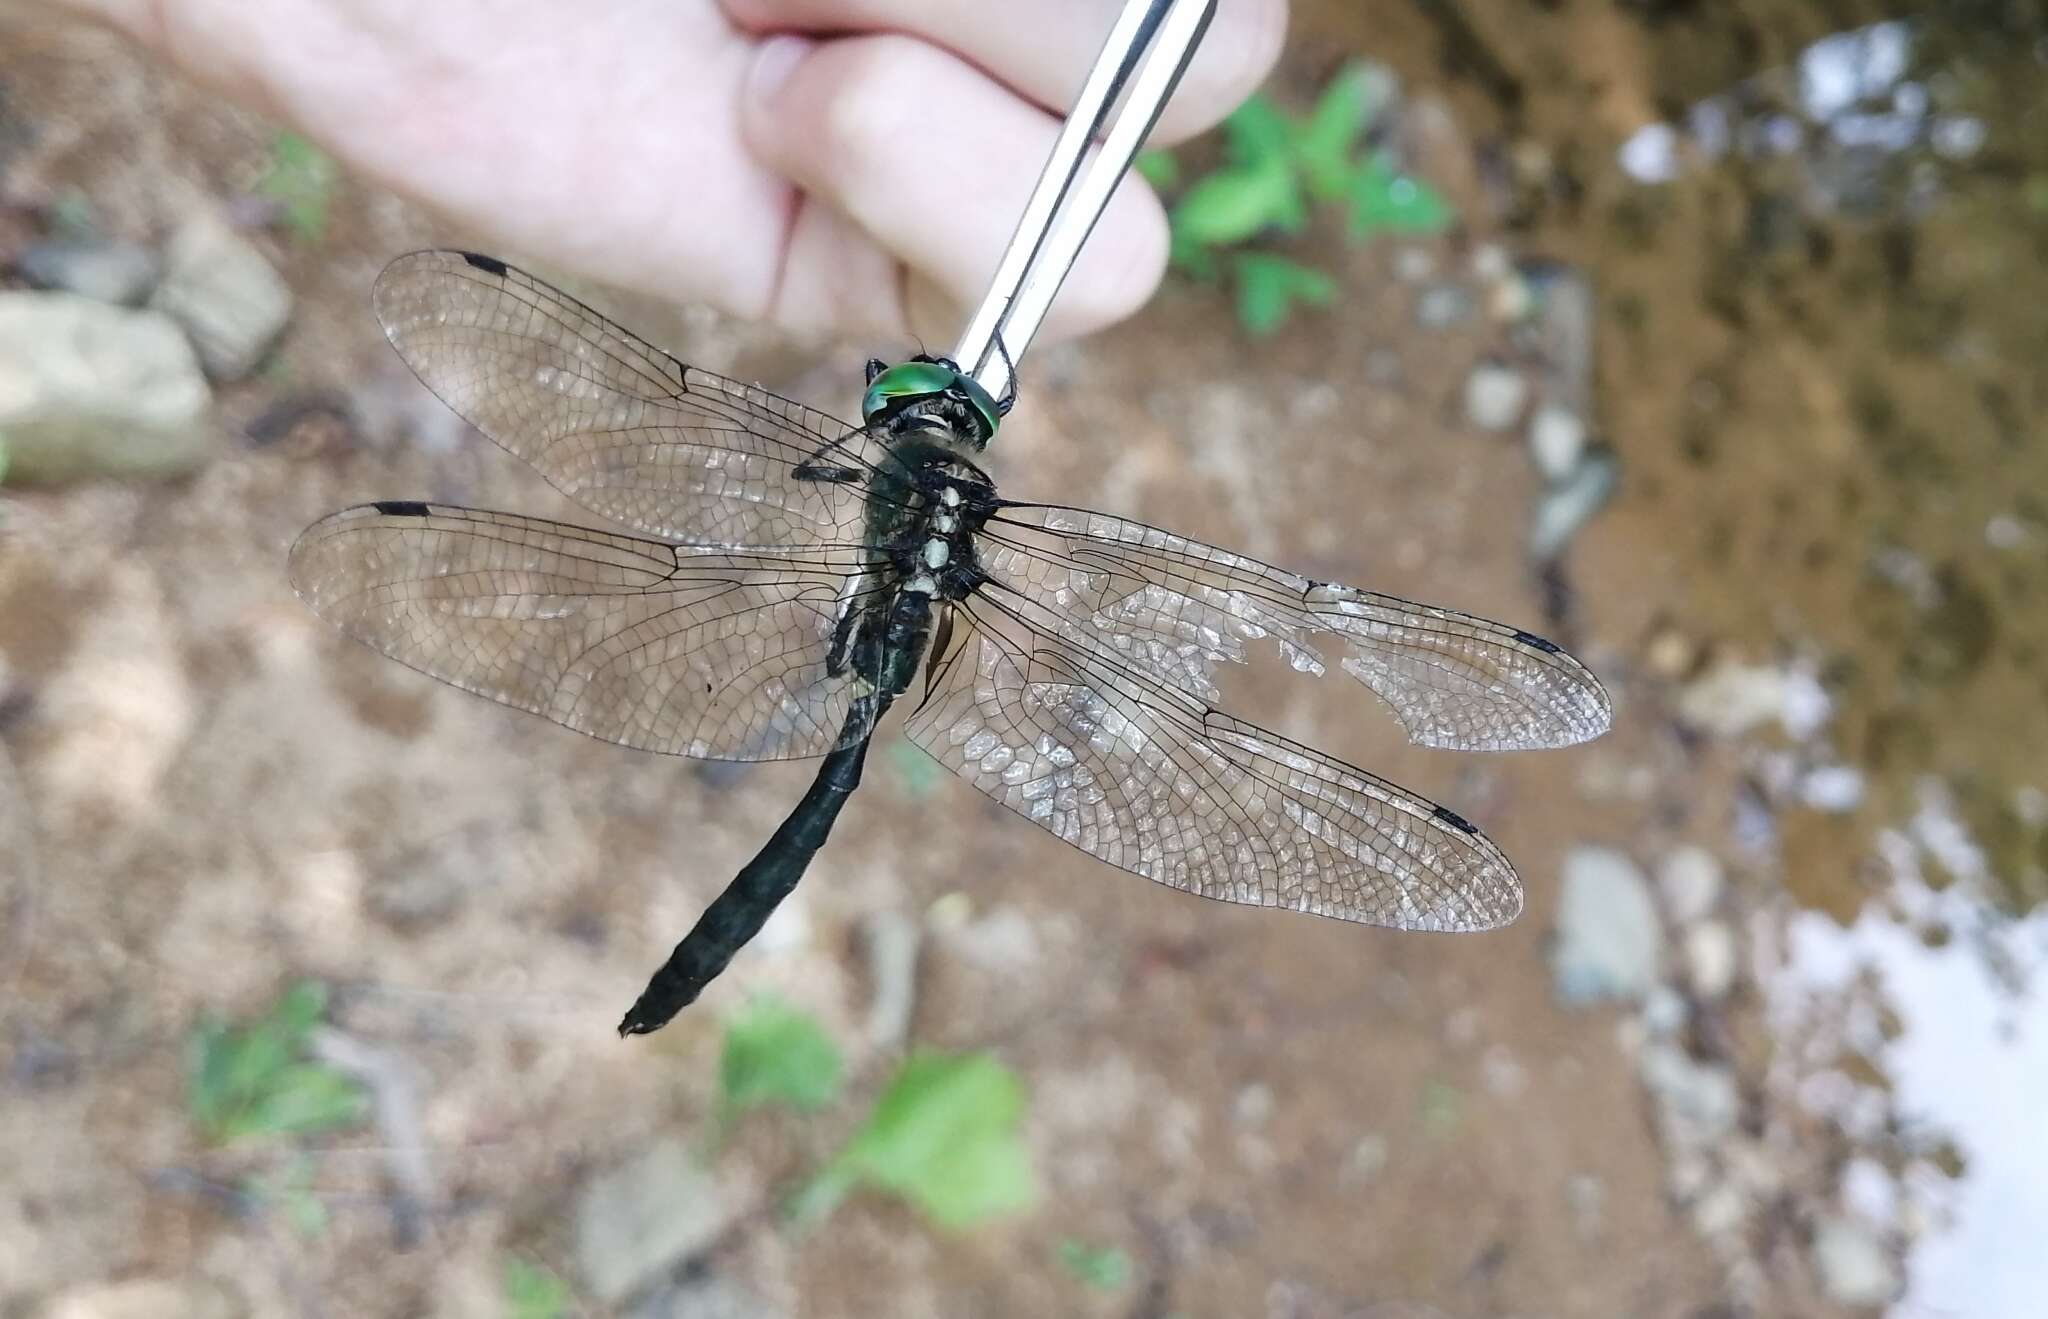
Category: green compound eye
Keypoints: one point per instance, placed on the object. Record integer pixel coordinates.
(908, 383)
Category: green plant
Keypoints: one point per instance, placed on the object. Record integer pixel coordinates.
(256, 1080)
(943, 1136)
(300, 178)
(1275, 165)
(776, 1054)
(533, 1292)
(1104, 1268)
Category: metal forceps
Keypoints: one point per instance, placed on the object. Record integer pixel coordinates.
(1147, 52)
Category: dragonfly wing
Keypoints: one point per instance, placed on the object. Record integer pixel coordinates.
(615, 423)
(1176, 607)
(1144, 775)
(680, 649)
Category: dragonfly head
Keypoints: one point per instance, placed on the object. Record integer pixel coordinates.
(930, 389)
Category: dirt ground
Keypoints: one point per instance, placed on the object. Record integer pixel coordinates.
(1272, 1115)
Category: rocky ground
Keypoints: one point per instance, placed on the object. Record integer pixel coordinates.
(1777, 500)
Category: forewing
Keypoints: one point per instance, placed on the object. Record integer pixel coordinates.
(1145, 776)
(674, 648)
(615, 423)
(1175, 608)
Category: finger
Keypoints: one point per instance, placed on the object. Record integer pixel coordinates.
(1043, 50)
(913, 147)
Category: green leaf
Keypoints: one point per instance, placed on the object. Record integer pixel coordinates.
(776, 1054)
(301, 1099)
(1231, 205)
(300, 177)
(532, 1292)
(1384, 200)
(943, 1136)
(253, 1080)
(1324, 144)
(1158, 167)
(1257, 133)
(1104, 1268)
(1190, 257)
(1269, 286)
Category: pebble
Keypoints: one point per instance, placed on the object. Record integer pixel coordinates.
(1732, 698)
(112, 272)
(1698, 1101)
(1495, 394)
(639, 1221)
(1607, 941)
(1664, 1012)
(1442, 304)
(1557, 440)
(225, 293)
(1690, 879)
(1854, 1267)
(90, 390)
(1710, 959)
(1720, 1211)
(1571, 504)
(1414, 264)
(1836, 789)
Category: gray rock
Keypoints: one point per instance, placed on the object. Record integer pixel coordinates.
(89, 390)
(1442, 304)
(1495, 395)
(1853, 1264)
(226, 295)
(1710, 959)
(1557, 440)
(119, 273)
(1607, 938)
(1690, 879)
(1571, 503)
(1697, 1102)
(639, 1221)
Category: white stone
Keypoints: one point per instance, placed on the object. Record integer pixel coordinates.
(225, 293)
(1690, 880)
(1557, 439)
(1607, 936)
(1495, 395)
(1710, 959)
(1854, 1266)
(88, 389)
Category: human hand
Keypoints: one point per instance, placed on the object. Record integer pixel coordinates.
(831, 165)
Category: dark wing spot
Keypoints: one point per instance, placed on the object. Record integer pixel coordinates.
(1455, 820)
(1548, 647)
(402, 508)
(488, 264)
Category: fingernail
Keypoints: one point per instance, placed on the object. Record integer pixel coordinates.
(773, 63)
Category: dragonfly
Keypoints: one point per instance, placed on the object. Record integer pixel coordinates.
(787, 577)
